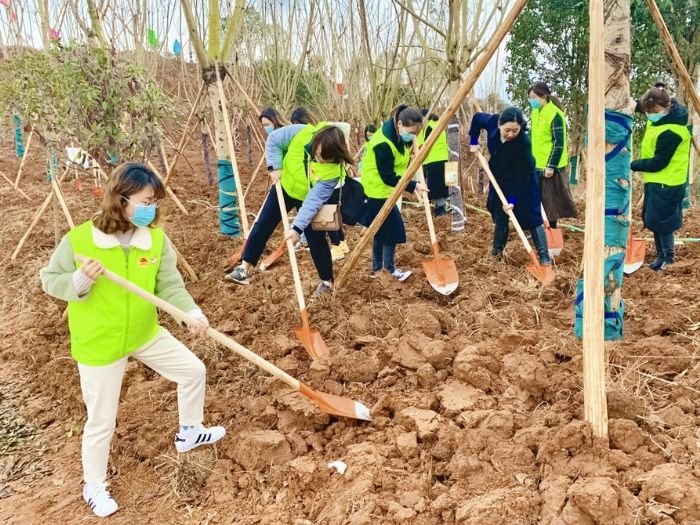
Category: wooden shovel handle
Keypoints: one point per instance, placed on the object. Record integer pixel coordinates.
(497, 188)
(290, 248)
(426, 205)
(217, 336)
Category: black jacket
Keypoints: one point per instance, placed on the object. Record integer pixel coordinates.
(666, 144)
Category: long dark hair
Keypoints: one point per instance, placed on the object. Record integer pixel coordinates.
(541, 89)
(656, 96)
(408, 116)
(303, 116)
(334, 147)
(273, 116)
(513, 114)
(125, 180)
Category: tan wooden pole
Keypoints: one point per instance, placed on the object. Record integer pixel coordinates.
(595, 405)
(675, 56)
(440, 126)
(37, 216)
(185, 136)
(232, 153)
(24, 157)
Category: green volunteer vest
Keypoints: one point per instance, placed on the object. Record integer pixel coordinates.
(371, 180)
(319, 171)
(676, 173)
(113, 322)
(541, 133)
(294, 180)
(439, 152)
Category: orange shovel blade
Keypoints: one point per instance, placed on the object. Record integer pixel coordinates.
(336, 405)
(313, 343)
(544, 274)
(634, 255)
(270, 259)
(442, 275)
(233, 260)
(555, 240)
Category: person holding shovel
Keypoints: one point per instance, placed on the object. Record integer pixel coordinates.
(549, 146)
(513, 166)
(664, 162)
(434, 164)
(288, 162)
(108, 325)
(387, 156)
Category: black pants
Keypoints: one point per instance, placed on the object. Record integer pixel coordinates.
(665, 247)
(539, 238)
(267, 222)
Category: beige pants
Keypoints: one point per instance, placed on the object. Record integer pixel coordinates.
(101, 386)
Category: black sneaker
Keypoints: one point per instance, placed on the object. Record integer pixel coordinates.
(440, 211)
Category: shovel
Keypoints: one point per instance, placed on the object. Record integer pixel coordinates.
(272, 258)
(311, 339)
(542, 273)
(555, 239)
(634, 254)
(441, 272)
(336, 405)
(636, 248)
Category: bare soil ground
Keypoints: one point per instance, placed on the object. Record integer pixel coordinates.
(477, 397)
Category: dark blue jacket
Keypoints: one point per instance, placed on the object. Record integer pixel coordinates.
(513, 166)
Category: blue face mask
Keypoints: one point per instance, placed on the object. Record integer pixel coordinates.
(534, 103)
(407, 137)
(269, 129)
(655, 117)
(144, 214)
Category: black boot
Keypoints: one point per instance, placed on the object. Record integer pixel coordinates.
(659, 261)
(539, 237)
(500, 238)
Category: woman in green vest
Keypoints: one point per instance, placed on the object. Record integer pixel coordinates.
(664, 162)
(549, 146)
(434, 164)
(288, 162)
(386, 158)
(108, 324)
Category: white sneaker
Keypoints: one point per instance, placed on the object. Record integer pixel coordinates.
(198, 435)
(99, 499)
(401, 276)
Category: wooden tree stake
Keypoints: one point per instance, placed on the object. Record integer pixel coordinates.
(24, 157)
(595, 405)
(185, 136)
(678, 65)
(37, 216)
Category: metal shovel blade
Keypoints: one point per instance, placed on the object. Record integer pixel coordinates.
(233, 260)
(555, 240)
(544, 274)
(442, 275)
(634, 255)
(272, 258)
(336, 405)
(313, 343)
